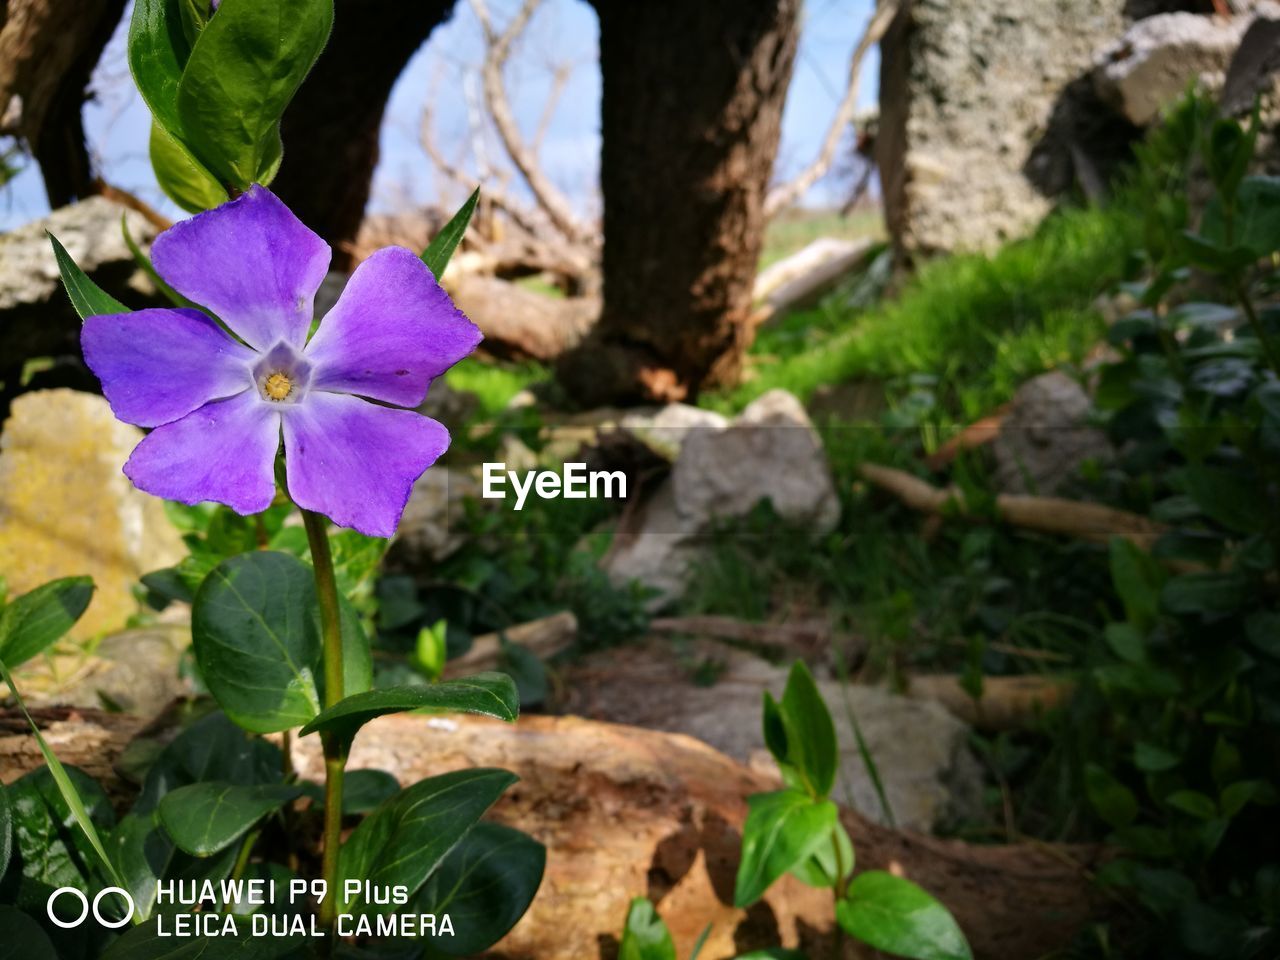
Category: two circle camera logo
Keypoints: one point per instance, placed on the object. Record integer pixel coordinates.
(79, 894)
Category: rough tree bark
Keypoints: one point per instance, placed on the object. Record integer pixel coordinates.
(692, 108)
(48, 49)
(331, 129)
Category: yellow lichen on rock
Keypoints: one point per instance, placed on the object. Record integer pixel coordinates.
(67, 509)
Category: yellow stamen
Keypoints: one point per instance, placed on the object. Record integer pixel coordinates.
(278, 386)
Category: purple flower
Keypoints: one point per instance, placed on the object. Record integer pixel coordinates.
(219, 405)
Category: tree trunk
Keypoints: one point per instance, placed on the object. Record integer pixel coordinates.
(692, 110)
(48, 50)
(331, 129)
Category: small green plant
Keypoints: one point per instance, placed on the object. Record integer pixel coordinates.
(1180, 710)
(797, 830)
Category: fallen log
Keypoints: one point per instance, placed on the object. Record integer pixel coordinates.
(1007, 703)
(975, 435)
(544, 638)
(629, 812)
(521, 324)
(803, 278)
(1072, 518)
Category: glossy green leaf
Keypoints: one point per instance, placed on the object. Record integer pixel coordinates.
(33, 621)
(49, 848)
(645, 936)
(822, 869)
(783, 829)
(144, 854)
(240, 75)
(204, 818)
(158, 49)
(440, 249)
(211, 748)
(257, 641)
(431, 650)
(148, 942)
(1113, 801)
(811, 736)
(182, 177)
(894, 915)
(362, 791)
(491, 694)
(1125, 642)
(22, 938)
(1227, 496)
(485, 884)
(1207, 594)
(1152, 759)
(1193, 803)
(89, 299)
(72, 792)
(407, 837)
(1256, 227)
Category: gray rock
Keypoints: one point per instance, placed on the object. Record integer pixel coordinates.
(769, 452)
(36, 318)
(135, 671)
(664, 430)
(1151, 65)
(978, 125)
(1045, 437)
(1254, 72)
(920, 751)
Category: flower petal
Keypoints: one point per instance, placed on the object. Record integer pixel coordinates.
(225, 451)
(251, 262)
(391, 332)
(159, 365)
(355, 461)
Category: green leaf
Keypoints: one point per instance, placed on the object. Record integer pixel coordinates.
(407, 837)
(241, 74)
(1114, 802)
(1152, 759)
(212, 748)
(182, 177)
(257, 640)
(6, 830)
(31, 622)
(204, 818)
(490, 694)
(645, 936)
(1193, 803)
(822, 869)
(21, 938)
(811, 736)
(89, 299)
(147, 942)
(772, 953)
(1226, 496)
(783, 829)
(1206, 593)
(441, 247)
(896, 916)
(1125, 642)
(144, 854)
(1257, 219)
(1137, 578)
(485, 884)
(431, 651)
(362, 791)
(158, 50)
(71, 793)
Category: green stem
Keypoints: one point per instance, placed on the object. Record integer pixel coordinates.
(838, 890)
(335, 749)
(1268, 348)
(242, 858)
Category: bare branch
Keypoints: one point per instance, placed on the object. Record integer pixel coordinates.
(549, 198)
(560, 74)
(785, 194)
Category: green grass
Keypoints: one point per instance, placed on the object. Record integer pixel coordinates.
(494, 383)
(980, 324)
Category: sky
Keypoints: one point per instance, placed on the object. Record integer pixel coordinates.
(561, 32)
